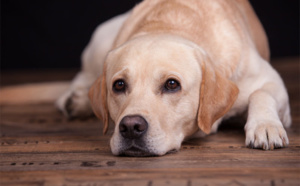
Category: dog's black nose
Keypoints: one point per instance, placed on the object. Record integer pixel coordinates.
(133, 127)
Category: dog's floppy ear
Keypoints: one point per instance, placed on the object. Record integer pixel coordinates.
(97, 95)
(217, 95)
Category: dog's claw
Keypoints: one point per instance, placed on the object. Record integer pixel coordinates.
(251, 145)
(68, 107)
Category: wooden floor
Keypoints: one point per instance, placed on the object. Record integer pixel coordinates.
(41, 147)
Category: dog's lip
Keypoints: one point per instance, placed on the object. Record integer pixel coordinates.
(141, 152)
(172, 151)
(136, 151)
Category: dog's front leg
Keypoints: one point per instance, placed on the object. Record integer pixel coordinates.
(75, 102)
(268, 112)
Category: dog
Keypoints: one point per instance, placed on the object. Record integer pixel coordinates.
(169, 70)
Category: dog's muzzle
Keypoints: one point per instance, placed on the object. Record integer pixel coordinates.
(133, 129)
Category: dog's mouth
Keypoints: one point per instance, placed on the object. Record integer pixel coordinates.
(137, 152)
(138, 148)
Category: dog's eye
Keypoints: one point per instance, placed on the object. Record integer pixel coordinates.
(119, 86)
(172, 85)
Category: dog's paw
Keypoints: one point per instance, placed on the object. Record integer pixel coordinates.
(266, 135)
(75, 104)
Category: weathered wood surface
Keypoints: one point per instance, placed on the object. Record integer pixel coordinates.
(39, 146)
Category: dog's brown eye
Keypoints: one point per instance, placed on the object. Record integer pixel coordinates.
(172, 85)
(119, 86)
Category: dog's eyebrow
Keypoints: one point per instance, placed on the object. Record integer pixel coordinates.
(171, 74)
(121, 73)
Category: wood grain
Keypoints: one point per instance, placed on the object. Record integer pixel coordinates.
(39, 146)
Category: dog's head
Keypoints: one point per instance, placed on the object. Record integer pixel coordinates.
(158, 90)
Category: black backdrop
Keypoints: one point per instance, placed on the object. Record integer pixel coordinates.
(52, 33)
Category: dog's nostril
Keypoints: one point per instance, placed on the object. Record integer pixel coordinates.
(133, 127)
(139, 127)
(122, 128)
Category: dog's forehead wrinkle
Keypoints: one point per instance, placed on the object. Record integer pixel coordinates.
(158, 44)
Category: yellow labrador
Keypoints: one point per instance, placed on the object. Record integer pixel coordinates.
(173, 69)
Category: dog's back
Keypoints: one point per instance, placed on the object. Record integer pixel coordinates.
(215, 22)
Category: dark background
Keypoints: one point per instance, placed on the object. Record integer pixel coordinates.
(39, 34)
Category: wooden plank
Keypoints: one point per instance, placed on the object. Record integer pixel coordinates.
(16, 77)
(187, 176)
(89, 152)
